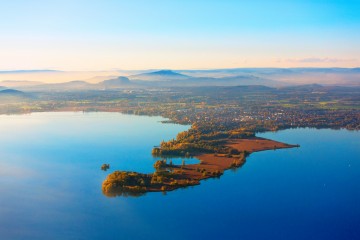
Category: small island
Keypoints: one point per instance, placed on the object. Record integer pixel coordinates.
(216, 151)
(105, 167)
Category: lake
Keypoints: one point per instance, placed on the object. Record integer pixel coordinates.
(50, 184)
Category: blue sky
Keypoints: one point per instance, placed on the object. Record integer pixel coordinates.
(99, 35)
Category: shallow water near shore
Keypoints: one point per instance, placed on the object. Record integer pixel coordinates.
(50, 184)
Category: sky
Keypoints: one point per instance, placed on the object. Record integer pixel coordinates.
(93, 35)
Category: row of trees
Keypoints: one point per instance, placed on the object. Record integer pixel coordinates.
(195, 141)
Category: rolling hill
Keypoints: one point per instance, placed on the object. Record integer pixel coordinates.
(162, 75)
(115, 83)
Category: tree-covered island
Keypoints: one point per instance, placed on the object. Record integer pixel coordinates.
(216, 151)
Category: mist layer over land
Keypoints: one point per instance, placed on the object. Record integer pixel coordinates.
(87, 80)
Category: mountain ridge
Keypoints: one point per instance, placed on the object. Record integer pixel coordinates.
(161, 75)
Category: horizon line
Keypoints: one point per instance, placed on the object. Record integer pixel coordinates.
(160, 69)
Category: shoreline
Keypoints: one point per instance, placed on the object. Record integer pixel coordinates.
(169, 177)
(173, 177)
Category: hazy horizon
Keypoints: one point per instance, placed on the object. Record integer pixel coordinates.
(34, 70)
(223, 77)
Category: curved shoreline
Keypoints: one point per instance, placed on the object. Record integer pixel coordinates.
(169, 177)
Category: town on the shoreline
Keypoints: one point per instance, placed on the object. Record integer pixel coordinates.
(224, 122)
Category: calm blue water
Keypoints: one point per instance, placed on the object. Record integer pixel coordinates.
(50, 184)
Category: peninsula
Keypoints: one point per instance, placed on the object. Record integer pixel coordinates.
(216, 152)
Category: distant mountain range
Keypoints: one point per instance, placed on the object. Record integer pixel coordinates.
(162, 75)
(153, 79)
(293, 76)
(271, 77)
